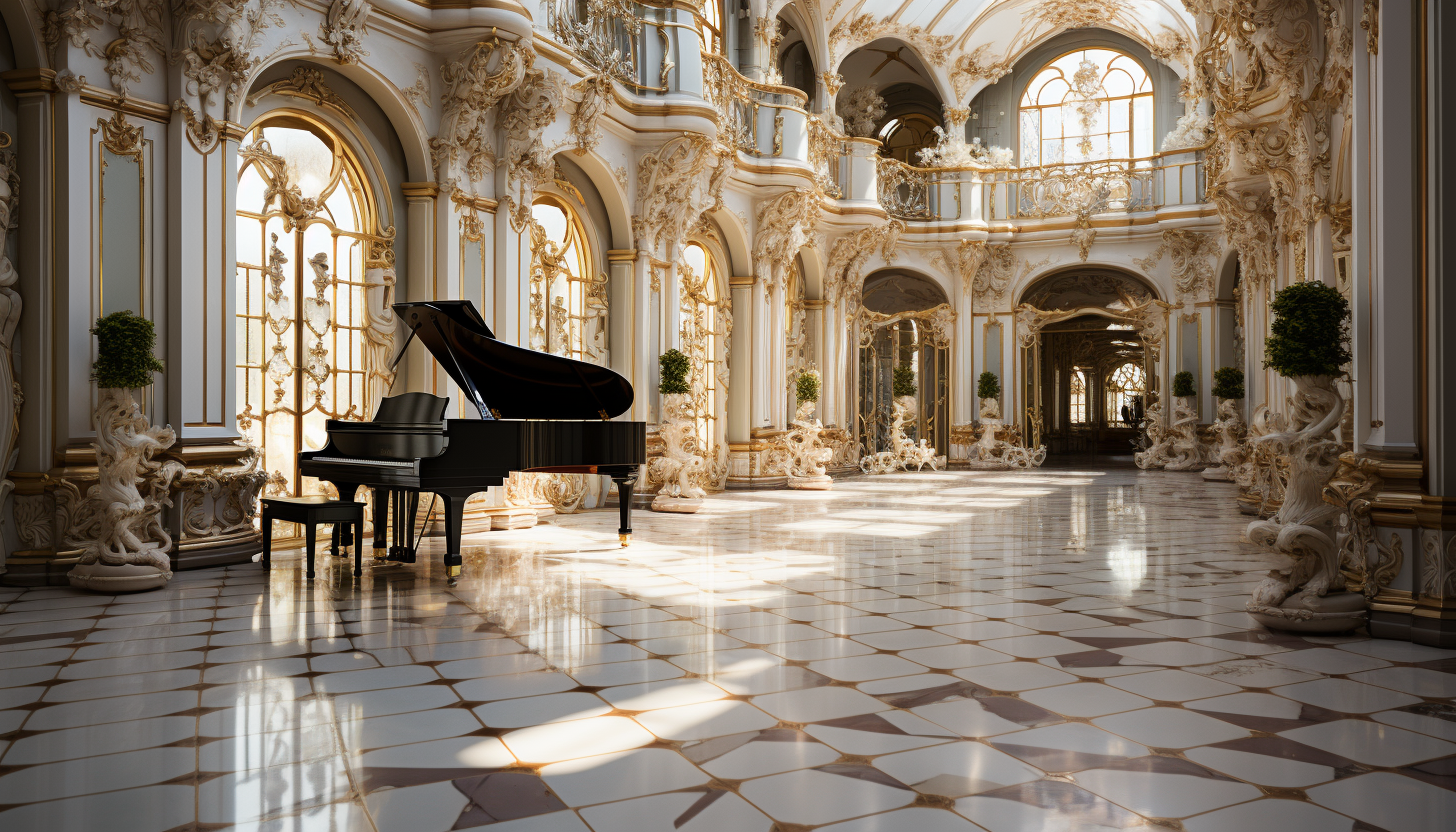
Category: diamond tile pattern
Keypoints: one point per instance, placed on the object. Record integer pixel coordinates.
(776, 661)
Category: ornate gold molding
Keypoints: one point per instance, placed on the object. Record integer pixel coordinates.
(121, 137)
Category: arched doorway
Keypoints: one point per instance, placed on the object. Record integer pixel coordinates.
(904, 327)
(307, 232)
(1091, 340)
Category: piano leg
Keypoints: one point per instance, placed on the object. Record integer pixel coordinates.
(454, 521)
(400, 551)
(344, 533)
(624, 505)
(381, 516)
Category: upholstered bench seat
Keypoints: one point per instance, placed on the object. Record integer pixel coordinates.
(310, 511)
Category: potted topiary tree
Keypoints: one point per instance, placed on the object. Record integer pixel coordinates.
(902, 388)
(988, 390)
(806, 387)
(1183, 385)
(806, 455)
(989, 453)
(1228, 390)
(1185, 453)
(679, 468)
(1308, 344)
(130, 551)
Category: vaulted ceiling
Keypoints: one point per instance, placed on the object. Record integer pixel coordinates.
(968, 44)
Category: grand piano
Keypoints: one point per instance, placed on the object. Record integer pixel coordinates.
(538, 412)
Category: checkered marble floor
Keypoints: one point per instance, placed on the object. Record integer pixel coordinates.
(940, 652)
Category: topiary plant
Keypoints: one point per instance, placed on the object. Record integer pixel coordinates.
(1228, 383)
(1310, 334)
(125, 344)
(806, 389)
(904, 384)
(674, 368)
(988, 386)
(1183, 384)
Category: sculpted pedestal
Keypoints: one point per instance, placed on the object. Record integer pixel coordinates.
(807, 456)
(1308, 596)
(679, 467)
(130, 551)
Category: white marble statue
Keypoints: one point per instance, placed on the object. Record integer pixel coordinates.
(680, 467)
(130, 553)
(903, 454)
(807, 455)
(992, 453)
(1185, 452)
(1230, 451)
(1309, 595)
(1159, 444)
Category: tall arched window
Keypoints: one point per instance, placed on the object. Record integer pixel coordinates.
(1088, 105)
(1077, 404)
(710, 26)
(305, 227)
(1123, 385)
(706, 325)
(568, 296)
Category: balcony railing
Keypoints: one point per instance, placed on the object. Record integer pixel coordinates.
(1098, 187)
(644, 44)
(764, 120)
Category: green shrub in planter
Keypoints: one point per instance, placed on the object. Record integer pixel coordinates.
(1310, 334)
(904, 382)
(125, 344)
(674, 368)
(1228, 383)
(1183, 384)
(806, 389)
(988, 386)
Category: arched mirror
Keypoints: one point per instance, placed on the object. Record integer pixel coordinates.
(904, 358)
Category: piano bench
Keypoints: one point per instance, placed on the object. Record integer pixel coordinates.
(310, 511)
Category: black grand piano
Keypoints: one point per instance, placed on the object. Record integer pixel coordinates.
(538, 412)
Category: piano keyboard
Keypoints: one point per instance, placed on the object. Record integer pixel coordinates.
(379, 463)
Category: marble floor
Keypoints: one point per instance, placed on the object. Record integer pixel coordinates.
(940, 652)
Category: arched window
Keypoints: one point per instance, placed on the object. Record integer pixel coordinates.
(1077, 404)
(568, 297)
(305, 229)
(706, 325)
(903, 138)
(1092, 104)
(1124, 384)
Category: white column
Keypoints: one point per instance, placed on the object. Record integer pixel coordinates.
(963, 357)
(35, 360)
(644, 333)
(741, 380)
(778, 357)
(761, 346)
(1397, 234)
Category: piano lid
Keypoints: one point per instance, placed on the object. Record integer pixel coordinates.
(509, 382)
